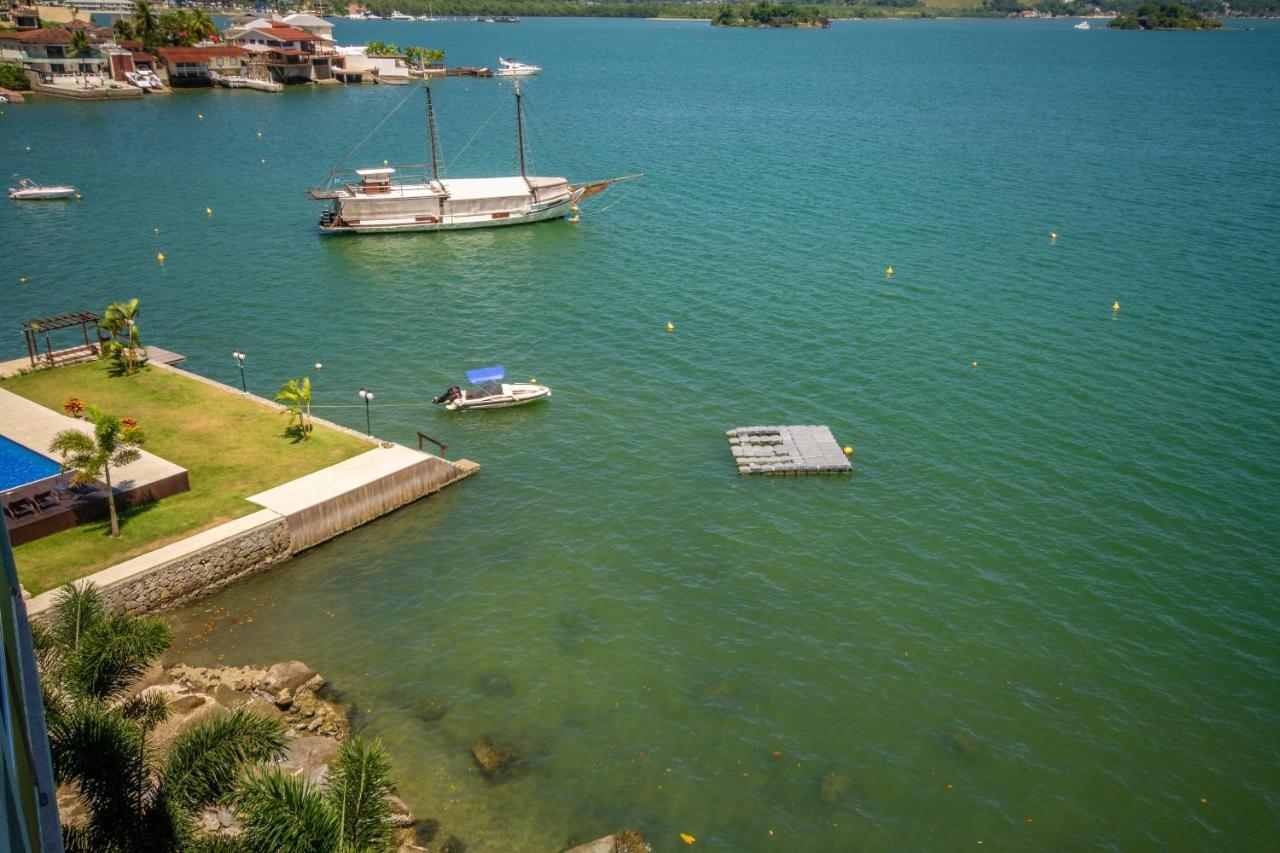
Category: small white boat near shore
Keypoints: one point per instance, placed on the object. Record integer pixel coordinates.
(514, 68)
(1083, 25)
(29, 190)
(490, 392)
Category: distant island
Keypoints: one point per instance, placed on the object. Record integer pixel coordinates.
(770, 15)
(1170, 16)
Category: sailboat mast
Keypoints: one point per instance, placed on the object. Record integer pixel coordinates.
(520, 130)
(431, 131)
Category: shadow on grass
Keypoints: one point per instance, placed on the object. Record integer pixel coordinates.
(295, 434)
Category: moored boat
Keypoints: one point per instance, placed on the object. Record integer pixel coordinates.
(514, 68)
(393, 198)
(28, 190)
(1083, 25)
(490, 392)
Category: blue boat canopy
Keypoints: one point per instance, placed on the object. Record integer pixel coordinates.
(486, 375)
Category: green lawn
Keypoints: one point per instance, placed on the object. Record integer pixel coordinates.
(230, 446)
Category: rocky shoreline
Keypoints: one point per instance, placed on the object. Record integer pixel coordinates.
(288, 692)
(291, 692)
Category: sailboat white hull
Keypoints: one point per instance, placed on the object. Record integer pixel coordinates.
(470, 203)
(455, 223)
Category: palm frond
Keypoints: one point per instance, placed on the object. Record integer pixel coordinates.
(146, 711)
(124, 457)
(214, 844)
(114, 652)
(359, 784)
(75, 839)
(279, 812)
(103, 754)
(203, 762)
(76, 609)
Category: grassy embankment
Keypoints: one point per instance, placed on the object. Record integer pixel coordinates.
(230, 446)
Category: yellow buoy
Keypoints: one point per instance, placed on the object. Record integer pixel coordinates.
(157, 230)
(1115, 306)
(208, 211)
(687, 838)
(848, 451)
(22, 280)
(259, 134)
(79, 197)
(533, 381)
(973, 365)
(386, 163)
(888, 273)
(671, 327)
(160, 257)
(1053, 236)
(200, 116)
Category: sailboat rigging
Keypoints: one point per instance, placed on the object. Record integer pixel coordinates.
(391, 199)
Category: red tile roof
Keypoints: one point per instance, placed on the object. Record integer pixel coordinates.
(196, 54)
(52, 35)
(287, 33)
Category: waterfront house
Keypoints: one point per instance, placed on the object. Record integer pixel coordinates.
(291, 54)
(184, 67)
(45, 54)
(312, 24)
(127, 56)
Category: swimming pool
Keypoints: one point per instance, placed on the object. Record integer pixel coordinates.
(20, 465)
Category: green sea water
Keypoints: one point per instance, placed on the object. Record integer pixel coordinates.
(1043, 612)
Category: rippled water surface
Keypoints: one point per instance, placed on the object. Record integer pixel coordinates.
(1043, 612)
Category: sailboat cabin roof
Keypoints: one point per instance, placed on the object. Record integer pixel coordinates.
(375, 173)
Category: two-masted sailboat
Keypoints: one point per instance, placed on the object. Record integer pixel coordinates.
(390, 199)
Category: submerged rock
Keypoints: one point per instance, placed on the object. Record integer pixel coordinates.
(496, 684)
(834, 788)
(431, 710)
(962, 743)
(426, 830)
(495, 762)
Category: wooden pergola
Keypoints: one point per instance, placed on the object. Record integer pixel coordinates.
(33, 329)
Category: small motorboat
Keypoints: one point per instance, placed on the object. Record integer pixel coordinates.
(1083, 25)
(514, 68)
(490, 392)
(29, 190)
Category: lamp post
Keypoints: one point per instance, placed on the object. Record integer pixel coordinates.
(239, 357)
(367, 396)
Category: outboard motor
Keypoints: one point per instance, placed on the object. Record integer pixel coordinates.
(452, 394)
(327, 218)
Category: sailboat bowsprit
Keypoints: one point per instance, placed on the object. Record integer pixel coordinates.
(388, 199)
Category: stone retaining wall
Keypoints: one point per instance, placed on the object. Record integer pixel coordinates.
(202, 572)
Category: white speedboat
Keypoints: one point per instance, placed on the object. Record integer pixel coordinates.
(514, 68)
(401, 16)
(1083, 25)
(382, 201)
(143, 79)
(28, 190)
(490, 392)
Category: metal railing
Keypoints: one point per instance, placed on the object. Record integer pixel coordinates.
(422, 436)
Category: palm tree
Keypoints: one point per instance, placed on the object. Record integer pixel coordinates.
(79, 43)
(350, 813)
(144, 22)
(123, 29)
(296, 396)
(134, 799)
(114, 443)
(200, 25)
(120, 320)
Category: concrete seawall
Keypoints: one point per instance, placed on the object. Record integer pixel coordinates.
(296, 516)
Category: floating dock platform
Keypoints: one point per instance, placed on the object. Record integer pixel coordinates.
(787, 450)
